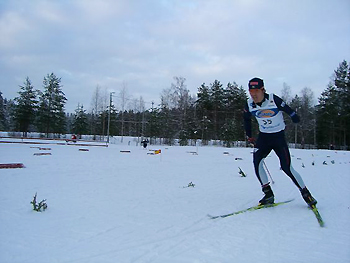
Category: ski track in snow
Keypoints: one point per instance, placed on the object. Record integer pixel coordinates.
(108, 206)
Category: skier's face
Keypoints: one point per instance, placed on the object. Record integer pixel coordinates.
(257, 94)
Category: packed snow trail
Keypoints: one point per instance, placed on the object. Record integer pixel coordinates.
(108, 206)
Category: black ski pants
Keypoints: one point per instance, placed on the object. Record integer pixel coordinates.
(267, 142)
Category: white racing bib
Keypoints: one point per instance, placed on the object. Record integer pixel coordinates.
(269, 117)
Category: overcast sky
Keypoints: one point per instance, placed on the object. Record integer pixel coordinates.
(143, 44)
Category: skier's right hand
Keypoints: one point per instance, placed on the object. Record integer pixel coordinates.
(251, 140)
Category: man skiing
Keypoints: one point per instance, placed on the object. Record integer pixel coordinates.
(267, 109)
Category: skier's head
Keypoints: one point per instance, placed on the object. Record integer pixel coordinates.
(256, 89)
(256, 83)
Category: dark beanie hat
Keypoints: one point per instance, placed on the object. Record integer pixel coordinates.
(256, 83)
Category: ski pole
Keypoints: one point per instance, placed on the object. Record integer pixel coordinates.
(268, 172)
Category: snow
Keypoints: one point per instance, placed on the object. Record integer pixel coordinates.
(110, 206)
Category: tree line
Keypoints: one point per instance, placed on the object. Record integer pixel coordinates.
(214, 113)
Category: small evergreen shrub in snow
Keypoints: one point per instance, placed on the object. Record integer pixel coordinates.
(241, 172)
(39, 207)
(190, 185)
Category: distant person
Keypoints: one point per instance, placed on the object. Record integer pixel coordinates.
(267, 109)
(74, 138)
(144, 143)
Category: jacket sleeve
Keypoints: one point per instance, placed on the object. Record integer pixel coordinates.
(247, 117)
(281, 105)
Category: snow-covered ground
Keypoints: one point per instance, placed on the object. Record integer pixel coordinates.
(105, 205)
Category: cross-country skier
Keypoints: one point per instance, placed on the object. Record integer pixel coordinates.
(267, 109)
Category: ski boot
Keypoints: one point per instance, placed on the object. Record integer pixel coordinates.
(268, 198)
(308, 197)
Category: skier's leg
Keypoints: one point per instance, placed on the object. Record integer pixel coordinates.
(285, 161)
(260, 154)
(258, 159)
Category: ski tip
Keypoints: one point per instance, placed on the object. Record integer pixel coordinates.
(212, 217)
(290, 200)
(318, 216)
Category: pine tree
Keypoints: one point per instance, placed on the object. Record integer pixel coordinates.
(203, 107)
(333, 125)
(217, 98)
(25, 107)
(342, 86)
(219, 111)
(51, 116)
(326, 117)
(153, 129)
(80, 125)
(203, 99)
(228, 132)
(167, 126)
(9, 110)
(234, 100)
(113, 129)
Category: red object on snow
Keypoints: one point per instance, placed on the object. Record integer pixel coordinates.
(11, 165)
